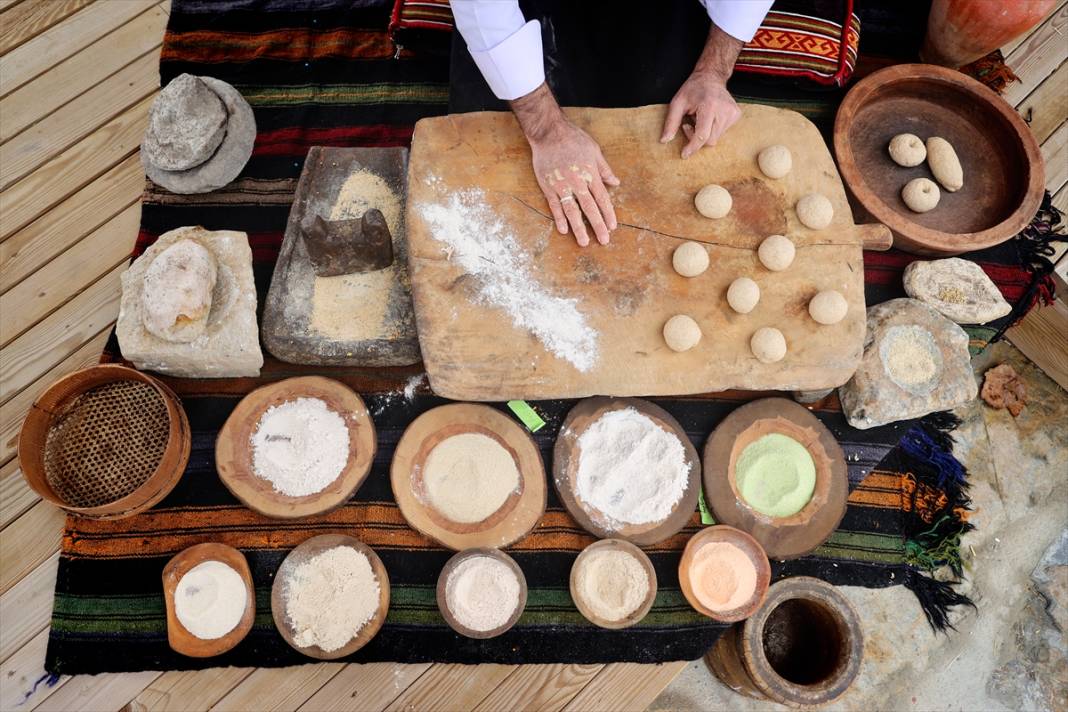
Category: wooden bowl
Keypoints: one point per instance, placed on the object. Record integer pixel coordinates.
(113, 429)
(180, 639)
(443, 605)
(781, 537)
(1004, 178)
(584, 608)
(233, 448)
(752, 549)
(566, 456)
(512, 521)
(307, 550)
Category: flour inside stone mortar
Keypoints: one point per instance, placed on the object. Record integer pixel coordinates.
(631, 470)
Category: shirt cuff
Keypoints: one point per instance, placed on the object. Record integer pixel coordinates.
(515, 67)
(740, 20)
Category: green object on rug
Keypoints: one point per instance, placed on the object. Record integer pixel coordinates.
(528, 415)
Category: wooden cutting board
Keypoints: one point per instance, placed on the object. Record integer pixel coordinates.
(628, 290)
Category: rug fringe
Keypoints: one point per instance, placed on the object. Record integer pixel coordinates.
(936, 598)
(992, 71)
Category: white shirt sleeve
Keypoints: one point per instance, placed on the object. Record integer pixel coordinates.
(738, 18)
(506, 48)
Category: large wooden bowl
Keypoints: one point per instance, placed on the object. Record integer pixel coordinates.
(1004, 177)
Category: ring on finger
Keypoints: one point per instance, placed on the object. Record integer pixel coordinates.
(566, 198)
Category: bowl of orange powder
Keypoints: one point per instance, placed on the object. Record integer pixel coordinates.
(724, 573)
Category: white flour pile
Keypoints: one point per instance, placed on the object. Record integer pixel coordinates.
(210, 600)
(482, 593)
(478, 242)
(630, 469)
(330, 597)
(469, 476)
(300, 446)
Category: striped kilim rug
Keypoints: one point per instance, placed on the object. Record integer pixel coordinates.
(323, 72)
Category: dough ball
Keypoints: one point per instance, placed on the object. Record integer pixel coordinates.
(944, 164)
(907, 150)
(690, 259)
(814, 211)
(828, 307)
(681, 333)
(768, 344)
(920, 194)
(743, 295)
(713, 201)
(177, 290)
(776, 252)
(775, 161)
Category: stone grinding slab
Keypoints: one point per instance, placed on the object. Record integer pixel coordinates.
(288, 329)
(628, 289)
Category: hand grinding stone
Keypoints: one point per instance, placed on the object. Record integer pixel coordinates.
(228, 159)
(186, 124)
(337, 247)
(915, 362)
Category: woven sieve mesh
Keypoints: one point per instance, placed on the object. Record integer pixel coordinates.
(106, 443)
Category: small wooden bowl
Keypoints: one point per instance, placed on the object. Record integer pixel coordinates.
(752, 549)
(512, 521)
(180, 639)
(114, 424)
(443, 604)
(781, 537)
(307, 550)
(1004, 177)
(566, 456)
(584, 607)
(233, 448)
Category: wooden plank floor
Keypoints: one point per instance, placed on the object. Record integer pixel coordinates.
(76, 78)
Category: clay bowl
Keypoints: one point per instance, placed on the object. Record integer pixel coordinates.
(567, 454)
(584, 607)
(443, 605)
(233, 448)
(307, 550)
(112, 430)
(180, 639)
(517, 515)
(781, 537)
(747, 544)
(1004, 177)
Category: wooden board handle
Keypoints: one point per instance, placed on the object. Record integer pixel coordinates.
(876, 236)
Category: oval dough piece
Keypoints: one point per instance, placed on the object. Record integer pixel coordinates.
(776, 252)
(907, 150)
(176, 293)
(920, 194)
(944, 163)
(713, 201)
(775, 161)
(828, 307)
(768, 344)
(743, 295)
(814, 211)
(681, 333)
(690, 259)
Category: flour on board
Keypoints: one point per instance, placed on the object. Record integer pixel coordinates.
(481, 244)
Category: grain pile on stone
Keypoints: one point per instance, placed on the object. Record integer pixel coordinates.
(957, 288)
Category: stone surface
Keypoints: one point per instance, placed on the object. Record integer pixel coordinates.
(957, 288)
(915, 362)
(229, 158)
(177, 291)
(230, 344)
(186, 124)
(1010, 655)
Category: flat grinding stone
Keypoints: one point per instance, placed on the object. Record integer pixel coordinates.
(957, 288)
(186, 124)
(229, 158)
(915, 362)
(229, 346)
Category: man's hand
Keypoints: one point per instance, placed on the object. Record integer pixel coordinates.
(704, 96)
(569, 167)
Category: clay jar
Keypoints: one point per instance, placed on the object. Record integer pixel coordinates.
(803, 647)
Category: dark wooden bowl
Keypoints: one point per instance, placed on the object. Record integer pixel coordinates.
(752, 549)
(180, 639)
(584, 608)
(443, 603)
(1004, 177)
